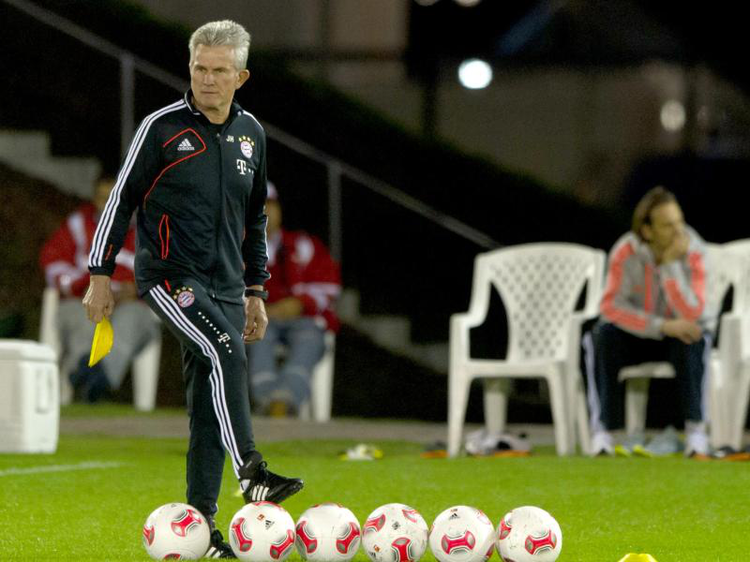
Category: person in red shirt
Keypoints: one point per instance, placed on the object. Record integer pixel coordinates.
(304, 285)
(64, 260)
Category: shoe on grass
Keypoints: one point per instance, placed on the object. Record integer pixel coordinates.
(219, 548)
(696, 440)
(627, 447)
(602, 444)
(260, 484)
(665, 443)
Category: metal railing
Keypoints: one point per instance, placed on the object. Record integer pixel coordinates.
(336, 169)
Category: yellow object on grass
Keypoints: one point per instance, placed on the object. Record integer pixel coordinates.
(632, 557)
(104, 337)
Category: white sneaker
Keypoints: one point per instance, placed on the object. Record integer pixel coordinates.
(696, 439)
(602, 444)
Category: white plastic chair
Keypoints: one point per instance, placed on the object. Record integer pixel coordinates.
(321, 384)
(725, 270)
(145, 367)
(735, 346)
(540, 285)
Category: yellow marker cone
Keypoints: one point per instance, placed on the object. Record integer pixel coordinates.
(104, 337)
(633, 557)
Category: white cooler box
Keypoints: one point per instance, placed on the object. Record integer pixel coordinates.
(29, 397)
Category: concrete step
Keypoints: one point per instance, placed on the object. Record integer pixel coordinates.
(432, 355)
(28, 152)
(72, 175)
(24, 144)
(392, 333)
(347, 306)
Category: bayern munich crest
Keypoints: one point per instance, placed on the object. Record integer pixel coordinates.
(184, 296)
(247, 146)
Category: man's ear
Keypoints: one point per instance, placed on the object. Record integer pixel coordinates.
(242, 77)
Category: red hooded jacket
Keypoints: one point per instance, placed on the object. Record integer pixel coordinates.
(301, 266)
(64, 257)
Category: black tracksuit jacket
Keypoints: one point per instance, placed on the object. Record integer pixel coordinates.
(199, 190)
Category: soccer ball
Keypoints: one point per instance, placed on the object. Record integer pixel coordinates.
(529, 534)
(328, 532)
(395, 533)
(462, 534)
(262, 532)
(178, 531)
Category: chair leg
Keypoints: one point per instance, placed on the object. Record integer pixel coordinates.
(741, 404)
(66, 389)
(496, 404)
(321, 387)
(458, 398)
(636, 399)
(146, 376)
(718, 416)
(558, 400)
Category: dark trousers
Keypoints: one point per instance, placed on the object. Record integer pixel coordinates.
(614, 349)
(215, 371)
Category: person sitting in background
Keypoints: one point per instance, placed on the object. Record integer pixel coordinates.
(64, 259)
(303, 287)
(653, 309)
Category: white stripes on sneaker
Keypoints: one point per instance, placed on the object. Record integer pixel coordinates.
(259, 493)
(212, 553)
(177, 316)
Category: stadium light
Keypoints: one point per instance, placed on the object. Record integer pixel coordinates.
(467, 3)
(474, 74)
(425, 2)
(672, 116)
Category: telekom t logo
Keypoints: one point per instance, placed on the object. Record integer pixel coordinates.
(242, 166)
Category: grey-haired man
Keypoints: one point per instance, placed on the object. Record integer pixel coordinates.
(196, 175)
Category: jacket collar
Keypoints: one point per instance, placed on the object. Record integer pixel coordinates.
(234, 110)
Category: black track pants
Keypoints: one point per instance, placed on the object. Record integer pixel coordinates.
(615, 348)
(215, 372)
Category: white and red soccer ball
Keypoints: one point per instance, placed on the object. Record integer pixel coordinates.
(328, 532)
(462, 534)
(176, 531)
(262, 532)
(529, 534)
(395, 532)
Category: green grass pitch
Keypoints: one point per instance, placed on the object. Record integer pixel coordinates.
(676, 509)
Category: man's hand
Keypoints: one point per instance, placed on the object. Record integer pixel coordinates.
(256, 320)
(284, 309)
(99, 301)
(684, 330)
(677, 249)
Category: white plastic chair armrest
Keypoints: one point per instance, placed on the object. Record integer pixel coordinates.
(596, 288)
(48, 333)
(460, 348)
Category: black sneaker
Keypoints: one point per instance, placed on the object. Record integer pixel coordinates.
(260, 484)
(219, 548)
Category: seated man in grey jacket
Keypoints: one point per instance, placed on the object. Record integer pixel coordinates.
(653, 309)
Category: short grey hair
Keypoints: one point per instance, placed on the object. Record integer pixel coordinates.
(224, 32)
